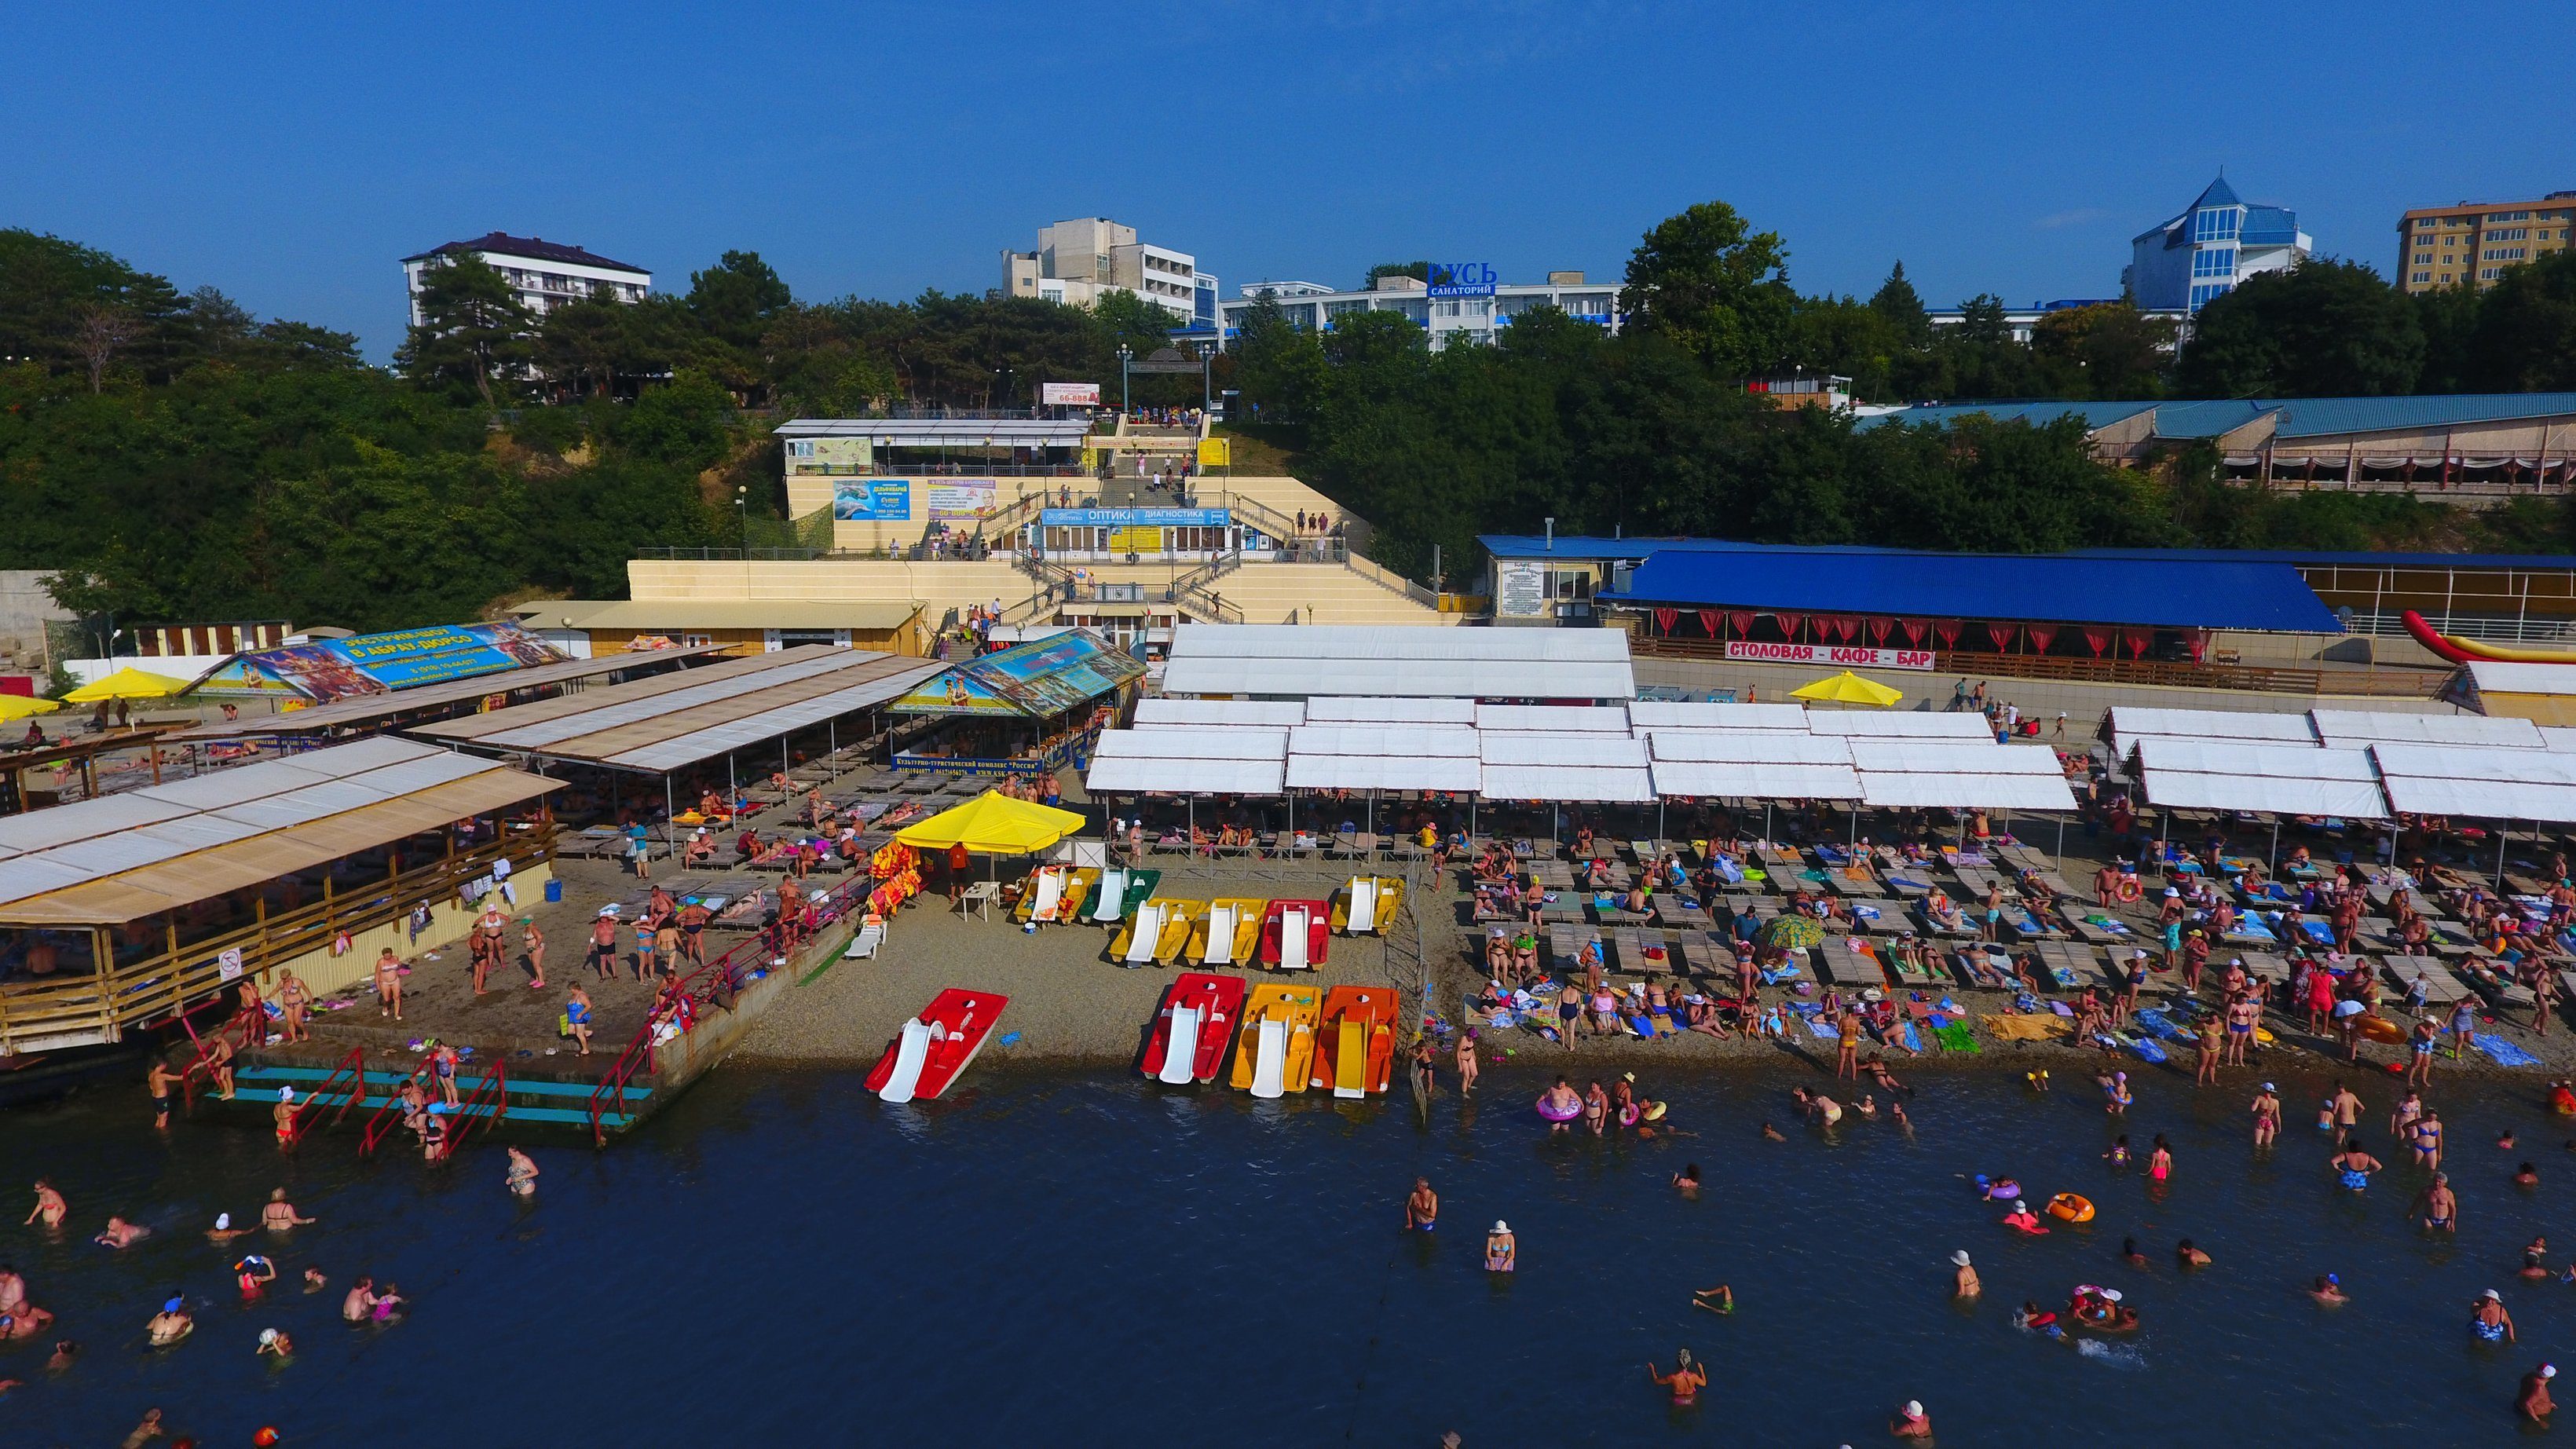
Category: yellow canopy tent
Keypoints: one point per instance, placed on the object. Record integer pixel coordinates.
(993, 824)
(19, 706)
(128, 683)
(1850, 688)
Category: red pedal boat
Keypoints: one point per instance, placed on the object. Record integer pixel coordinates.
(1279, 933)
(1194, 1027)
(1355, 1049)
(936, 1046)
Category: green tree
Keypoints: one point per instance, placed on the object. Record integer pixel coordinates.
(2320, 329)
(1279, 366)
(473, 330)
(2525, 339)
(685, 422)
(735, 299)
(2107, 350)
(1901, 307)
(2449, 319)
(1418, 271)
(1715, 287)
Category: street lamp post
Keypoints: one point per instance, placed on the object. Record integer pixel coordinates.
(1123, 354)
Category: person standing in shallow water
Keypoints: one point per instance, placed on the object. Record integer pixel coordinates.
(1421, 1207)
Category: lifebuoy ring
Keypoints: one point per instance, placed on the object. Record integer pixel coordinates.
(2067, 1207)
(1554, 1114)
(2128, 889)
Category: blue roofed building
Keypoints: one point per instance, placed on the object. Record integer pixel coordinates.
(2211, 246)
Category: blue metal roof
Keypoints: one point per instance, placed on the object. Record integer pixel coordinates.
(2269, 226)
(1585, 546)
(2207, 419)
(2096, 415)
(2219, 193)
(2069, 588)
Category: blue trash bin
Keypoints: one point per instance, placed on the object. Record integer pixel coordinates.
(554, 892)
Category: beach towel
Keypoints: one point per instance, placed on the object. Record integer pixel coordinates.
(1827, 1030)
(2061, 1008)
(2146, 1049)
(1913, 1039)
(1955, 1039)
(2024, 1028)
(2162, 1025)
(1864, 913)
(2504, 1053)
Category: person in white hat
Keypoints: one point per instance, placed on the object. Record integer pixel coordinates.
(1502, 1250)
(1911, 1422)
(1964, 1282)
(2533, 1402)
(2488, 1320)
(283, 1115)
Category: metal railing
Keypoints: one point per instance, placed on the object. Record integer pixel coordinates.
(492, 1092)
(388, 1116)
(354, 1067)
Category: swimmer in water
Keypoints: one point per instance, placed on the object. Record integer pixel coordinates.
(522, 1176)
(1560, 1105)
(2532, 1267)
(121, 1233)
(273, 1344)
(2329, 1290)
(1867, 1107)
(1772, 1134)
(2120, 1097)
(2353, 1166)
(2118, 1156)
(1502, 1250)
(49, 1205)
(171, 1324)
(2533, 1401)
(2022, 1219)
(1896, 1114)
(1688, 1179)
(2129, 1253)
(1720, 1299)
(2036, 1081)
(360, 1301)
(2002, 1189)
(2526, 1176)
(2267, 1116)
(2440, 1206)
(2505, 1142)
(2187, 1256)
(2037, 1319)
(2160, 1161)
(1686, 1379)
(1421, 1207)
(223, 1231)
(2488, 1322)
(1911, 1422)
(314, 1282)
(1964, 1283)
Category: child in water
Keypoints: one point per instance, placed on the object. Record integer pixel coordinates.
(2118, 1156)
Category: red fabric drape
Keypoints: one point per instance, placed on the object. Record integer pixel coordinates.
(1708, 621)
(1789, 623)
(2137, 640)
(1915, 629)
(2041, 636)
(1948, 629)
(1878, 630)
(2097, 640)
(2002, 634)
(1742, 619)
(2198, 642)
(1846, 626)
(1666, 618)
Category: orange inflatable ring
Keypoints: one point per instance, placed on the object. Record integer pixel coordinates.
(2066, 1207)
(2381, 1029)
(2129, 889)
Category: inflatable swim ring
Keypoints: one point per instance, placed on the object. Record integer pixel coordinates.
(2067, 1207)
(2000, 1192)
(1559, 1114)
(2128, 888)
(1654, 1111)
(1628, 1115)
(2033, 1229)
(2380, 1029)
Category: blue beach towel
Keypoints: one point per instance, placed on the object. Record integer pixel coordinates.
(1823, 1029)
(1913, 1039)
(2504, 1053)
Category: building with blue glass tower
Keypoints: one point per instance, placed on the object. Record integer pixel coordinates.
(2215, 243)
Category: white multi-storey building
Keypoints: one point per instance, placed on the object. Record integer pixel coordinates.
(2215, 244)
(1462, 300)
(545, 274)
(1076, 261)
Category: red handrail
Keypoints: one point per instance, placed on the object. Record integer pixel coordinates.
(355, 1064)
(495, 1085)
(638, 1054)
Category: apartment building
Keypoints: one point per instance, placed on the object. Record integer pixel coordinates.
(2473, 242)
(545, 274)
(1462, 300)
(1078, 260)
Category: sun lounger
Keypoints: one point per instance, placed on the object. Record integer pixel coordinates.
(2441, 988)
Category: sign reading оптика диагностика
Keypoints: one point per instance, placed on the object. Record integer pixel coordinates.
(1847, 656)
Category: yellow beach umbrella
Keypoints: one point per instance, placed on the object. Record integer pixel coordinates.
(993, 824)
(19, 706)
(1850, 688)
(128, 683)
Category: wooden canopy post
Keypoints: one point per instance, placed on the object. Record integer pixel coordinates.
(104, 950)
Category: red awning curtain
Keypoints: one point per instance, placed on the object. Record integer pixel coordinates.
(1878, 630)
(2041, 636)
(2198, 642)
(1948, 629)
(1846, 625)
(1665, 619)
(1708, 621)
(2002, 634)
(1789, 623)
(2097, 640)
(2137, 640)
(1915, 629)
(1742, 620)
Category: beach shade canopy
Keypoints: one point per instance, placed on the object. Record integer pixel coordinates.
(19, 706)
(1850, 688)
(128, 683)
(993, 824)
(1794, 933)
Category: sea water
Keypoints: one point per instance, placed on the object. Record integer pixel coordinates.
(1089, 1258)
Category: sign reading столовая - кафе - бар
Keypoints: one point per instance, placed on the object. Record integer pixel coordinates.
(1847, 656)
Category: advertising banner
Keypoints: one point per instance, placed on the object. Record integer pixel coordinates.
(962, 500)
(1520, 589)
(365, 664)
(1134, 517)
(1069, 394)
(1838, 656)
(872, 500)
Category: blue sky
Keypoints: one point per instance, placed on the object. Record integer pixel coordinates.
(290, 154)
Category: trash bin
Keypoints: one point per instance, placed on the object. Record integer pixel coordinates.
(554, 892)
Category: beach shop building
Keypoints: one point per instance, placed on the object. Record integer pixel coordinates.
(1029, 709)
(132, 910)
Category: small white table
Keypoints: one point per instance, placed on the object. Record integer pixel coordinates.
(980, 897)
